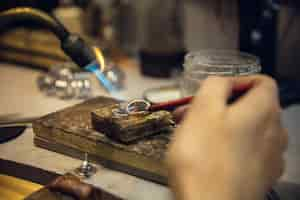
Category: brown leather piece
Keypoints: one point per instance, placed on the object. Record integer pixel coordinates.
(71, 185)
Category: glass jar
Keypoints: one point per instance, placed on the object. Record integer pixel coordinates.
(201, 64)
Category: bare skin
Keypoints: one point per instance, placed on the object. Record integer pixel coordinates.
(229, 152)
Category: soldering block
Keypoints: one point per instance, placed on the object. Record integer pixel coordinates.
(131, 128)
(70, 132)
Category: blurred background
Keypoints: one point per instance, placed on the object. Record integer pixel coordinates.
(158, 34)
(174, 26)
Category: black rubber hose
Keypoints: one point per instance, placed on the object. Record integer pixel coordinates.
(71, 44)
(16, 16)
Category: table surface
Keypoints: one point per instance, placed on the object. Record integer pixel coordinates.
(21, 97)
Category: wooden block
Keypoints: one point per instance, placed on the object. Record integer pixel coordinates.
(70, 132)
(128, 129)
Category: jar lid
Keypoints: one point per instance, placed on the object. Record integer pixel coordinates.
(221, 62)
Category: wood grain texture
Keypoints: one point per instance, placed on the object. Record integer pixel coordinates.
(70, 132)
(131, 128)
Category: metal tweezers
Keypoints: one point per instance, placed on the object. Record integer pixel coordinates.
(27, 121)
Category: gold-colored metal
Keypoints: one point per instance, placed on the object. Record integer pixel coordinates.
(12, 188)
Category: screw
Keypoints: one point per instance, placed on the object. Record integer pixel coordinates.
(86, 169)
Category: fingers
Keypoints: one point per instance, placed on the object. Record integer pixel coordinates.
(280, 133)
(179, 113)
(276, 138)
(283, 144)
(284, 141)
(275, 144)
(261, 86)
(262, 96)
(214, 92)
(217, 90)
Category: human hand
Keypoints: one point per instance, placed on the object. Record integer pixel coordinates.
(229, 151)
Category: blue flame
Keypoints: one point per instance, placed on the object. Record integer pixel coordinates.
(94, 68)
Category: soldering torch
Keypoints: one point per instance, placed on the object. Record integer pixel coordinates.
(86, 57)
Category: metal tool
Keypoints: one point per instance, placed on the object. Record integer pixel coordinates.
(86, 169)
(9, 133)
(18, 122)
(86, 57)
(142, 107)
(11, 128)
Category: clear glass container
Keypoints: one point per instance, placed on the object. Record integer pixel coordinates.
(201, 64)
